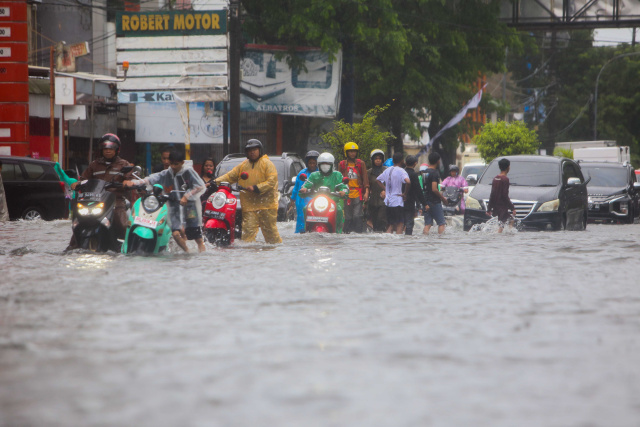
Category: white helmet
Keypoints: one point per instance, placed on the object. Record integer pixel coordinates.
(326, 158)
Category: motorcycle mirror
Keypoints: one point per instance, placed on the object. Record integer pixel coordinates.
(345, 180)
(303, 177)
(157, 190)
(244, 175)
(127, 169)
(137, 170)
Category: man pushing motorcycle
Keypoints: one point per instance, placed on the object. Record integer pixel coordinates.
(259, 199)
(327, 177)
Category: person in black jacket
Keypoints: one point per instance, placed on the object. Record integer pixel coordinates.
(415, 195)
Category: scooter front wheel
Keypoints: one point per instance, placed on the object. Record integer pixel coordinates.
(217, 236)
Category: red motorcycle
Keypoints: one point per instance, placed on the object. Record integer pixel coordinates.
(321, 213)
(220, 223)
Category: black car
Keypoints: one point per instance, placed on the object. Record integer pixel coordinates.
(288, 166)
(613, 191)
(33, 189)
(549, 193)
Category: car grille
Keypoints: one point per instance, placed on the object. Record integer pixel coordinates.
(523, 208)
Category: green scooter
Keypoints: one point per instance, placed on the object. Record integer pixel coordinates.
(149, 230)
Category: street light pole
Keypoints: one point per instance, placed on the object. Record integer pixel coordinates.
(595, 97)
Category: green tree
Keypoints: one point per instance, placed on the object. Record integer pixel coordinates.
(412, 55)
(366, 134)
(505, 139)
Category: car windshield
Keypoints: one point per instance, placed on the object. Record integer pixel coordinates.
(526, 173)
(477, 170)
(605, 176)
(226, 166)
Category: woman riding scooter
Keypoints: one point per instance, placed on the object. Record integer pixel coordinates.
(456, 180)
(311, 160)
(327, 177)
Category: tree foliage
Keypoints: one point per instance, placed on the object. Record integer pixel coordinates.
(366, 134)
(563, 152)
(505, 139)
(557, 86)
(412, 55)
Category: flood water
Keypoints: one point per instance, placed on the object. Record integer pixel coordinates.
(467, 329)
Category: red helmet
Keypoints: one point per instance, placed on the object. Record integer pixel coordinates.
(110, 140)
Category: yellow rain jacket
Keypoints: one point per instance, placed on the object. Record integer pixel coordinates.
(264, 175)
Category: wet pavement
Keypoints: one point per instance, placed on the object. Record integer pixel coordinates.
(466, 329)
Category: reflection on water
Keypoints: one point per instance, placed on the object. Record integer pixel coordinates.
(482, 329)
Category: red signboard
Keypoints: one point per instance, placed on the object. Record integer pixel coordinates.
(13, 52)
(17, 132)
(14, 92)
(13, 72)
(15, 11)
(14, 31)
(14, 112)
(14, 77)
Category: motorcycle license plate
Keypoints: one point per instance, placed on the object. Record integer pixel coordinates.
(317, 219)
(215, 214)
(144, 222)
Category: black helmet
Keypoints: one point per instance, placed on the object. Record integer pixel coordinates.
(254, 143)
(310, 155)
(454, 168)
(110, 140)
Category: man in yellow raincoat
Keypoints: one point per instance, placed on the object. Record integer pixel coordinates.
(259, 199)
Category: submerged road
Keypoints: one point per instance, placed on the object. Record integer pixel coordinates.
(467, 329)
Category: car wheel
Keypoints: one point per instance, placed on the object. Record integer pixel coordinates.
(32, 213)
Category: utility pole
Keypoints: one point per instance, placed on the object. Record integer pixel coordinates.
(235, 45)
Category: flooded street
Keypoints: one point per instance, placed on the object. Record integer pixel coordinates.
(467, 329)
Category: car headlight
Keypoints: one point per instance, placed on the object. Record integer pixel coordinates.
(321, 203)
(550, 206)
(219, 200)
(151, 203)
(472, 203)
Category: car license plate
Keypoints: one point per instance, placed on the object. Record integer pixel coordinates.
(317, 219)
(145, 222)
(215, 214)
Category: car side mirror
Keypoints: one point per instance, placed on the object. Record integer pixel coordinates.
(573, 181)
(293, 180)
(636, 186)
(472, 179)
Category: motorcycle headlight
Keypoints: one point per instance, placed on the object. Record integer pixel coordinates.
(151, 203)
(550, 206)
(219, 200)
(90, 210)
(321, 203)
(473, 204)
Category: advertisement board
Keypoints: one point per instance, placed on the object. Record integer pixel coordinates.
(160, 122)
(269, 85)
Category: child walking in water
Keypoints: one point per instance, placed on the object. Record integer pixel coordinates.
(499, 202)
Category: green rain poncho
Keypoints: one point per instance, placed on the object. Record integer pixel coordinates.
(317, 180)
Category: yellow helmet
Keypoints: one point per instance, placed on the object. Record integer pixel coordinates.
(350, 146)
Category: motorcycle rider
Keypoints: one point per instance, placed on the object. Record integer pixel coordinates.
(108, 168)
(376, 209)
(311, 160)
(356, 170)
(184, 187)
(327, 177)
(456, 180)
(259, 199)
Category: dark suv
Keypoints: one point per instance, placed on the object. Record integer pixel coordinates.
(613, 191)
(33, 189)
(288, 166)
(549, 193)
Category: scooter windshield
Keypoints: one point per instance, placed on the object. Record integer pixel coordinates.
(92, 189)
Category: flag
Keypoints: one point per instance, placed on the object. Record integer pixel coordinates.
(473, 103)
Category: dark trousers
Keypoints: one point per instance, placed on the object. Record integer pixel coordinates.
(409, 216)
(378, 217)
(353, 216)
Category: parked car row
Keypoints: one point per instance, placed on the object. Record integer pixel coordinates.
(33, 189)
(552, 193)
